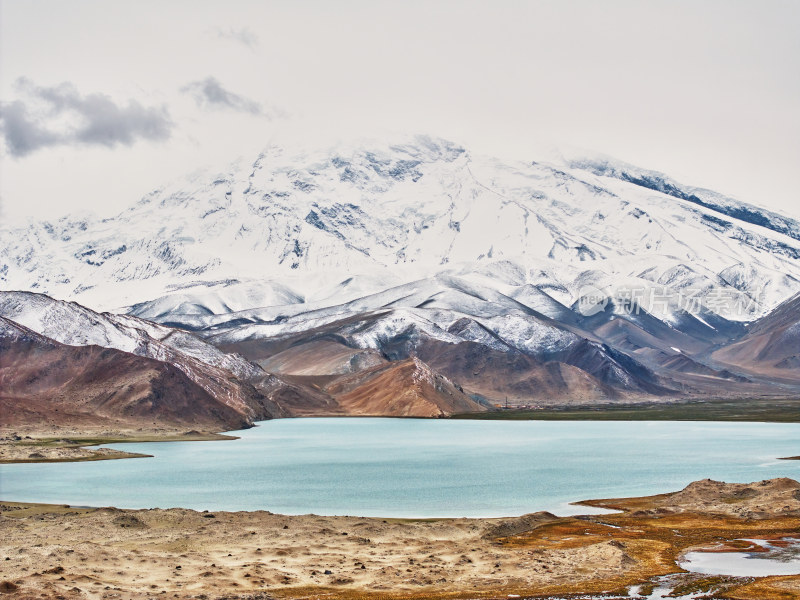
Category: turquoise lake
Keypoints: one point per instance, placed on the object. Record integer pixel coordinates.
(416, 467)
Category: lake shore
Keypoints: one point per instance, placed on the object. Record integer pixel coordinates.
(32, 444)
(755, 410)
(78, 445)
(51, 551)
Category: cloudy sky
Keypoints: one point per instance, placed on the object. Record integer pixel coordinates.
(102, 101)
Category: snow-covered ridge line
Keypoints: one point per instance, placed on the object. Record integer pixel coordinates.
(315, 228)
(710, 199)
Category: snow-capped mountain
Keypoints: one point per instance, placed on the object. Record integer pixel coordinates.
(296, 226)
(221, 375)
(470, 332)
(653, 180)
(586, 279)
(61, 357)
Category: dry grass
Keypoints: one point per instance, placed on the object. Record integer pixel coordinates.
(56, 550)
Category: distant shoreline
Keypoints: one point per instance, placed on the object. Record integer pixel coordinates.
(749, 410)
(81, 448)
(75, 446)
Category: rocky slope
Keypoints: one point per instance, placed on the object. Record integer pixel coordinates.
(222, 376)
(529, 349)
(771, 346)
(89, 387)
(405, 388)
(63, 360)
(768, 499)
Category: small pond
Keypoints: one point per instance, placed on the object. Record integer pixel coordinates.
(765, 558)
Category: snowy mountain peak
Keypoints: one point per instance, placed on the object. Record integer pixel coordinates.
(322, 227)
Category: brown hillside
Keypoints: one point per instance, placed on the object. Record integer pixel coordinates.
(44, 382)
(407, 388)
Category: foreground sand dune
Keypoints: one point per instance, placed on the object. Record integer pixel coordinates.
(50, 551)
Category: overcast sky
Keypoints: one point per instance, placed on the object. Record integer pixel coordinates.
(102, 101)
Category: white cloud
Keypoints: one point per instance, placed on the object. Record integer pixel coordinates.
(242, 35)
(702, 91)
(209, 93)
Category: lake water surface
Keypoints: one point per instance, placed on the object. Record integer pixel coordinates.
(779, 559)
(416, 467)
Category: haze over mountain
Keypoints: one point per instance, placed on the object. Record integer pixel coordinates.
(337, 274)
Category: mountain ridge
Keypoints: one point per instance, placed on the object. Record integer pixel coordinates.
(93, 387)
(273, 283)
(402, 211)
(706, 198)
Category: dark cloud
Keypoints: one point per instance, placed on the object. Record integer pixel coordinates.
(209, 93)
(243, 36)
(22, 133)
(60, 115)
